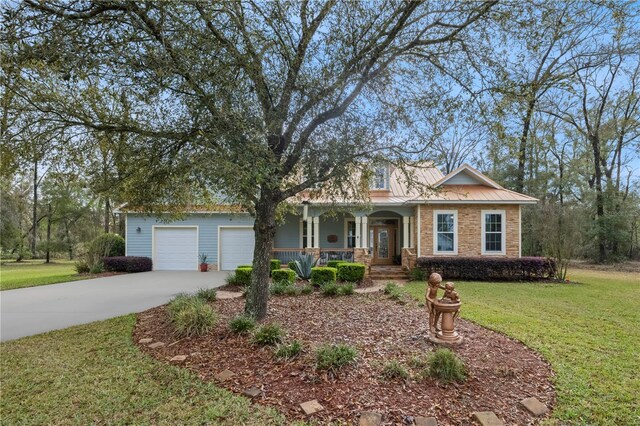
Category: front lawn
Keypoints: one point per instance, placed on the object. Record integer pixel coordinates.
(93, 374)
(589, 332)
(31, 273)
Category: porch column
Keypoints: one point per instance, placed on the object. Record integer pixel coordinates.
(309, 232)
(365, 231)
(411, 229)
(405, 231)
(316, 232)
(358, 222)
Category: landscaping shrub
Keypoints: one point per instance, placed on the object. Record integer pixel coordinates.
(322, 274)
(231, 279)
(283, 287)
(287, 275)
(307, 289)
(128, 264)
(82, 267)
(445, 366)
(334, 289)
(334, 357)
(334, 263)
(417, 274)
(107, 245)
(268, 335)
(206, 294)
(242, 324)
(394, 370)
(303, 266)
(393, 290)
(350, 272)
(274, 265)
(489, 268)
(289, 351)
(97, 268)
(191, 316)
(243, 275)
(244, 266)
(290, 265)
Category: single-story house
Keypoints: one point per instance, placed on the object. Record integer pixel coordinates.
(467, 214)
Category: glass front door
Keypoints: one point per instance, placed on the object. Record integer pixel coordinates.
(383, 244)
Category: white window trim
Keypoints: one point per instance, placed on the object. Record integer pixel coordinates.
(455, 232)
(301, 233)
(346, 230)
(387, 179)
(503, 231)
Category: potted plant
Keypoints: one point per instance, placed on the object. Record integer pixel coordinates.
(204, 266)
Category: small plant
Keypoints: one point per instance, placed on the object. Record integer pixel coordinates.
(206, 294)
(97, 268)
(393, 290)
(82, 267)
(274, 265)
(334, 357)
(346, 289)
(329, 289)
(282, 287)
(243, 275)
(445, 366)
(350, 271)
(303, 266)
(242, 324)
(202, 258)
(289, 351)
(191, 316)
(417, 274)
(322, 274)
(307, 289)
(394, 370)
(418, 362)
(231, 279)
(335, 263)
(268, 335)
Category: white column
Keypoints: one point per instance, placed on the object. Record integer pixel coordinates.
(358, 222)
(309, 232)
(411, 229)
(365, 231)
(405, 231)
(316, 232)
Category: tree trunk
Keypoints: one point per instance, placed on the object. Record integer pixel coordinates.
(34, 234)
(68, 238)
(48, 233)
(107, 215)
(522, 151)
(265, 230)
(595, 146)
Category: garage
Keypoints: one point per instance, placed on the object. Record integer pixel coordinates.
(175, 248)
(236, 247)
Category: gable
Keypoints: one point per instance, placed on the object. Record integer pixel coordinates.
(464, 178)
(467, 175)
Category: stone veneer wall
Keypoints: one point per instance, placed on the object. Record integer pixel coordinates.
(470, 227)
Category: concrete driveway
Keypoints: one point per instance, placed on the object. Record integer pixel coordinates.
(34, 310)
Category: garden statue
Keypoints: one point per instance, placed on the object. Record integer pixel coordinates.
(447, 307)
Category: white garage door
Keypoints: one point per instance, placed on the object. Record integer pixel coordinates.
(236, 247)
(175, 249)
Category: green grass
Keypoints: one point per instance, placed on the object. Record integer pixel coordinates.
(589, 332)
(31, 273)
(93, 374)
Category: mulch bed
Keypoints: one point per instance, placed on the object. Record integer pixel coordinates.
(502, 371)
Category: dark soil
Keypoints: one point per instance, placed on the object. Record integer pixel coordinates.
(501, 371)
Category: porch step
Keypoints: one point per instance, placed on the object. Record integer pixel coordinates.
(391, 272)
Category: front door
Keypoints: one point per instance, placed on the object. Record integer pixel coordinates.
(383, 239)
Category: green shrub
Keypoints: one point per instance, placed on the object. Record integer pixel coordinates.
(307, 289)
(445, 366)
(393, 291)
(231, 279)
(289, 351)
(206, 294)
(394, 370)
(346, 289)
(82, 267)
(291, 265)
(304, 265)
(334, 357)
(274, 264)
(244, 266)
(242, 324)
(417, 274)
(107, 245)
(191, 316)
(268, 335)
(97, 268)
(334, 289)
(335, 263)
(322, 274)
(283, 275)
(353, 272)
(243, 275)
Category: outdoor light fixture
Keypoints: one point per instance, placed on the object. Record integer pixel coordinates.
(138, 230)
(305, 210)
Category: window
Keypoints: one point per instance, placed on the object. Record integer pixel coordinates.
(445, 230)
(351, 234)
(380, 178)
(493, 235)
(303, 234)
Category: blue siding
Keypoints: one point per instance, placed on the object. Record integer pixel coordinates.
(332, 225)
(288, 233)
(139, 243)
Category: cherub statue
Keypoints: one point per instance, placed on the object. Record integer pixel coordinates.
(434, 282)
(450, 293)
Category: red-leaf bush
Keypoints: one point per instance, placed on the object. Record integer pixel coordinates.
(128, 264)
(489, 268)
